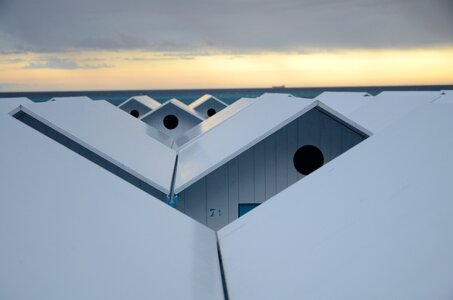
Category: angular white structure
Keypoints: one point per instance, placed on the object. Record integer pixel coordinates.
(388, 107)
(208, 105)
(213, 121)
(105, 135)
(172, 118)
(70, 99)
(71, 230)
(138, 106)
(344, 102)
(81, 212)
(8, 104)
(232, 168)
(375, 223)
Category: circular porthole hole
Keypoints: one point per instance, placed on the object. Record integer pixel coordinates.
(171, 122)
(307, 159)
(211, 112)
(135, 113)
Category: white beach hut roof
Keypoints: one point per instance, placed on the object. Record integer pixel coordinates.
(344, 102)
(375, 223)
(250, 125)
(213, 121)
(9, 104)
(70, 99)
(145, 100)
(446, 97)
(71, 230)
(205, 98)
(111, 134)
(178, 104)
(388, 107)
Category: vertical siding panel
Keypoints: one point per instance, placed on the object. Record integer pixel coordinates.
(217, 198)
(233, 190)
(281, 159)
(292, 148)
(270, 165)
(181, 206)
(195, 201)
(246, 174)
(260, 178)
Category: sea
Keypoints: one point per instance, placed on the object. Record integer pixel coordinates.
(226, 95)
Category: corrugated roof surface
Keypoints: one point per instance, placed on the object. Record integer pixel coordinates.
(239, 132)
(375, 223)
(115, 136)
(71, 230)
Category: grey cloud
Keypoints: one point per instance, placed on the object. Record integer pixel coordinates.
(212, 26)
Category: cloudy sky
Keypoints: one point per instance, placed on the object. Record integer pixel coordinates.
(146, 44)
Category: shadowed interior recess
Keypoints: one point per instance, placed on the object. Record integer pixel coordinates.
(171, 122)
(135, 113)
(307, 159)
(211, 112)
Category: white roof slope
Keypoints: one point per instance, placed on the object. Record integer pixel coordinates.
(213, 121)
(107, 131)
(375, 223)
(446, 97)
(71, 230)
(388, 107)
(178, 104)
(203, 99)
(145, 100)
(9, 104)
(253, 123)
(70, 99)
(344, 102)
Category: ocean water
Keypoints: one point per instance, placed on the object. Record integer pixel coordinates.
(226, 95)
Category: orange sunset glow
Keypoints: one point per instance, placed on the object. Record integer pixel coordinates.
(151, 70)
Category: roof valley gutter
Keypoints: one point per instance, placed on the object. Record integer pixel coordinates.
(172, 198)
(222, 270)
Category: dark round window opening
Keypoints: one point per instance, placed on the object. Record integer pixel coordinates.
(171, 122)
(211, 112)
(307, 159)
(135, 113)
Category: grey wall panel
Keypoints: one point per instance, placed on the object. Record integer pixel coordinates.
(195, 201)
(267, 168)
(271, 172)
(181, 202)
(291, 149)
(281, 158)
(260, 172)
(233, 190)
(246, 177)
(217, 198)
